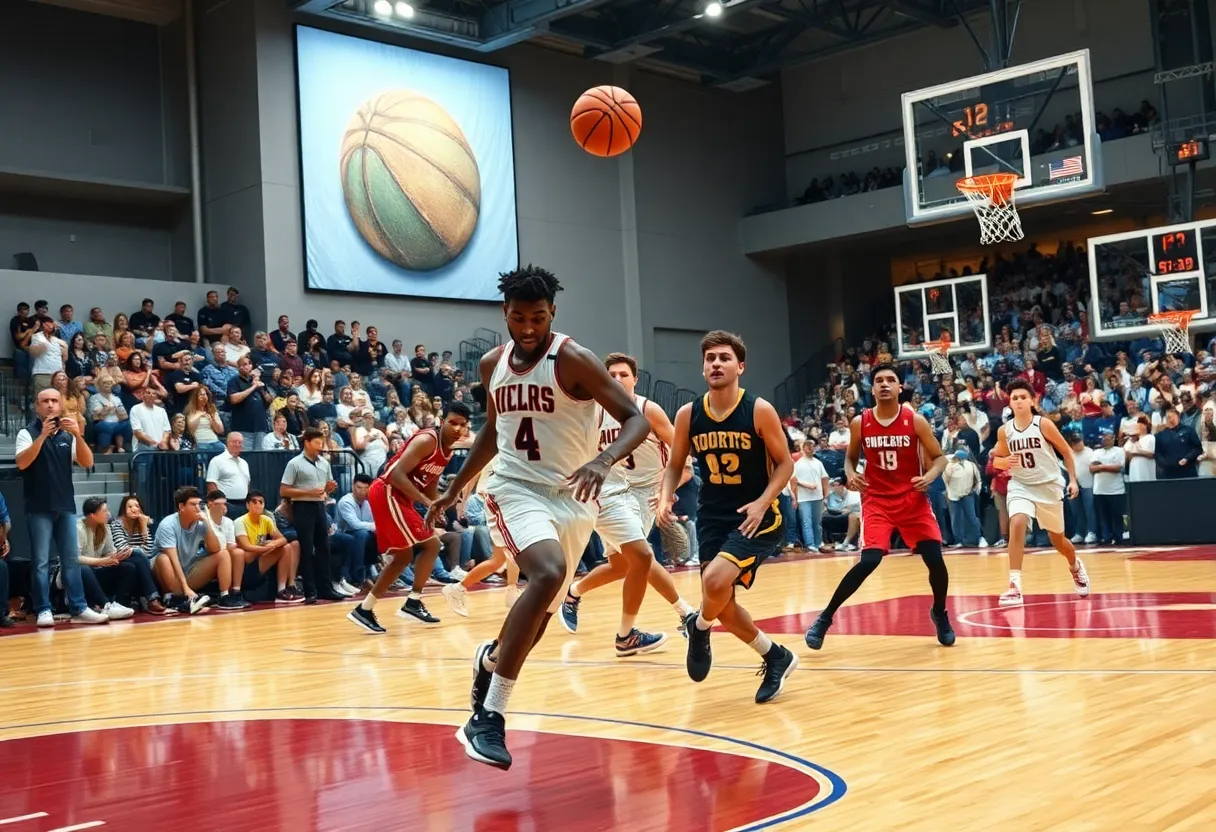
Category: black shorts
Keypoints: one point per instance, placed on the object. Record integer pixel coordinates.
(722, 538)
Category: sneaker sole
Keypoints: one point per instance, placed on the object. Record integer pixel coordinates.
(638, 651)
(781, 686)
(409, 617)
(1007, 604)
(350, 616)
(572, 630)
(472, 754)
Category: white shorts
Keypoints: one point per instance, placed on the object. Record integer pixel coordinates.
(1042, 501)
(521, 514)
(624, 518)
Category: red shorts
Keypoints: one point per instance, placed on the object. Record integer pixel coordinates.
(909, 514)
(398, 524)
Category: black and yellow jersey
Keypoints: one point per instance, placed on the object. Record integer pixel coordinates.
(733, 460)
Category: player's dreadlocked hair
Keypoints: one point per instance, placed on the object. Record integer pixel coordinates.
(529, 283)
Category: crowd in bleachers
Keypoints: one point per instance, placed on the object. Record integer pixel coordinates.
(1118, 125)
(1124, 403)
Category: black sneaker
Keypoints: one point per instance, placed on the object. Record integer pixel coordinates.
(288, 595)
(366, 619)
(6, 622)
(945, 633)
(481, 676)
(229, 603)
(779, 663)
(414, 608)
(700, 659)
(484, 738)
(240, 596)
(569, 613)
(814, 636)
(638, 642)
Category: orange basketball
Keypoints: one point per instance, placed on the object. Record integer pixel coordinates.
(606, 121)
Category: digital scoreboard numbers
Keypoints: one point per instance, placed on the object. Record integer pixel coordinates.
(1188, 152)
(1176, 252)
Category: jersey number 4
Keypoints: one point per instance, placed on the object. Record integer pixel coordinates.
(525, 439)
(721, 469)
(888, 460)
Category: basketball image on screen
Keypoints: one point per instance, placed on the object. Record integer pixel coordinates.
(407, 170)
(410, 180)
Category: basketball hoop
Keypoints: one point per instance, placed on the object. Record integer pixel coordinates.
(939, 357)
(991, 197)
(1175, 329)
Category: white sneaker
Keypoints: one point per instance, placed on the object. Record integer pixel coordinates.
(848, 547)
(198, 603)
(512, 595)
(1091, 538)
(1001, 544)
(337, 587)
(457, 573)
(117, 612)
(347, 588)
(1080, 580)
(983, 543)
(46, 619)
(1076, 538)
(1012, 597)
(454, 594)
(90, 616)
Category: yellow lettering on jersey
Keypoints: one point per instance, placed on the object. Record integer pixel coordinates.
(734, 440)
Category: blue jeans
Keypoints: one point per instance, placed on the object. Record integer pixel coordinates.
(21, 361)
(60, 525)
(1083, 512)
(788, 516)
(106, 432)
(941, 511)
(810, 516)
(964, 522)
(690, 526)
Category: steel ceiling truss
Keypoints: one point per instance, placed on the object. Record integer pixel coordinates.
(750, 39)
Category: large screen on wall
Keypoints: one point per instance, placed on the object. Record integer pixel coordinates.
(407, 170)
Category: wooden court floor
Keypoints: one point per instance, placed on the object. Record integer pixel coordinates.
(1067, 714)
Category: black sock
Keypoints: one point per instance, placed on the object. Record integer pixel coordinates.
(852, 581)
(939, 577)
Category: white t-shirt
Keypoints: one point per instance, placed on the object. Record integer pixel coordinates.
(977, 419)
(808, 469)
(51, 359)
(226, 531)
(1142, 468)
(153, 421)
(1107, 482)
(1085, 477)
(839, 438)
(25, 440)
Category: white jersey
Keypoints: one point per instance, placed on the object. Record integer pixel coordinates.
(544, 435)
(642, 469)
(1039, 463)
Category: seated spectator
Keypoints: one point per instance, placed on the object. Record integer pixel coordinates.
(182, 383)
(265, 546)
(217, 374)
(280, 439)
(79, 363)
(261, 356)
(189, 553)
(178, 439)
(309, 390)
(203, 423)
(118, 574)
(108, 367)
(325, 409)
(225, 530)
(144, 322)
(111, 425)
(235, 347)
(133, 528)
(355, 519)
(167, 355)
(294, 412)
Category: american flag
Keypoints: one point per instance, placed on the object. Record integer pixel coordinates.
(1065, 167)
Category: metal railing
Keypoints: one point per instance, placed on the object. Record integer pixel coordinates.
(643, 385)
(663, 393)
(155, 475)
(798, 385)
(15, 403)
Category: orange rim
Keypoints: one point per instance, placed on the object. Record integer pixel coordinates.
(996, 185)
(1180, 318)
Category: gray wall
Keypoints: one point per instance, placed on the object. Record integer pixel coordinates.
(646, 241)
(73, 246)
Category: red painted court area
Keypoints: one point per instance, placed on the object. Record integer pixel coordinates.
(1187, 615)
(301, 774)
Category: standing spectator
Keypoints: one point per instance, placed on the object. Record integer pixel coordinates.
(1109, 490)
(22, 327)
(397, 363)
(1141, 450)
(1083, 513)
(236, 313)
(355, 519)
(338, 345)
(46, 452)
(149, 422)
(263, 358)
(420, 368)
(217, 374)
(962, 485)
(111, 425)
(48, 354)
(308, 482)
(6, 525)
(811, 481)
(367, 357)
(211, 319)
(229, 474)
(203, 423)
(247, 399)
(1178, 449)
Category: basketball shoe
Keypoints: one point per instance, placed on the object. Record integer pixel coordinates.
(484, 738)
(779, 663)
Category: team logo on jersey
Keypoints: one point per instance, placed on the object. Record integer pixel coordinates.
(524, 398)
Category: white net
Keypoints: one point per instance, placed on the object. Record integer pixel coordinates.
(939, 361)
(1176, 334)
(992, 200)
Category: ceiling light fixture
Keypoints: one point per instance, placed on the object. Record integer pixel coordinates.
(1104, 211)
(405, 10)
(713, 9)
(382, 8)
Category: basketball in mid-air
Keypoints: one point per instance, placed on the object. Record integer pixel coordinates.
(606, 121)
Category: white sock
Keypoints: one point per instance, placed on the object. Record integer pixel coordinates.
(574, 591)
(415, 596)
(1015, 578)
(223, 593)
(761, 644)
(500, 692)
(682, 607)
(626, 625)
(702, 624)
(282, 585)
(369, 602)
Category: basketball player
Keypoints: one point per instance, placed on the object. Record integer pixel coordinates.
(742, 449)
(541, 418)
(1026, 447)
(410, 478)
(896, 441)
(626, 516)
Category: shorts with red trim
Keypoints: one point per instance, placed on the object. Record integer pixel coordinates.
(522, 514)
(909, 514)
(398, 523)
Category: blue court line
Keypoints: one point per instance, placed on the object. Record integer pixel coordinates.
(839, 787)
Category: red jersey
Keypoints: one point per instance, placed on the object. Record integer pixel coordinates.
(428, 471)
(891, 452)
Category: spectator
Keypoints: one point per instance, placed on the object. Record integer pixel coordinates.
(203, 422)
(355, 519)
(265, 547)
(48, 353)
(22, 327)
(79, 363)
(1084, 516)
(181, 322)
(229, 474)
(1109, 490)
(111, 425)
(368, 441)
(188, 553)
(149, 422)
(219, 515)
(291, 360)
(115, 571)
(234, 346)
(263, 358)
(962, 486)
(67, 328)
(811, 482)
(280, 337)
(46, 452)
(134, 528)
(367, 357)
(144, 322)
(1178, 449)
(338, 345)
(217, 374)
(248, 398)
(397, 363)
(1140, 450)
(420, 368)
(211, 319)
(295, 414)
(280, 439)
(235, 312)
(307, 482)
(842, 515)
(178, 439)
